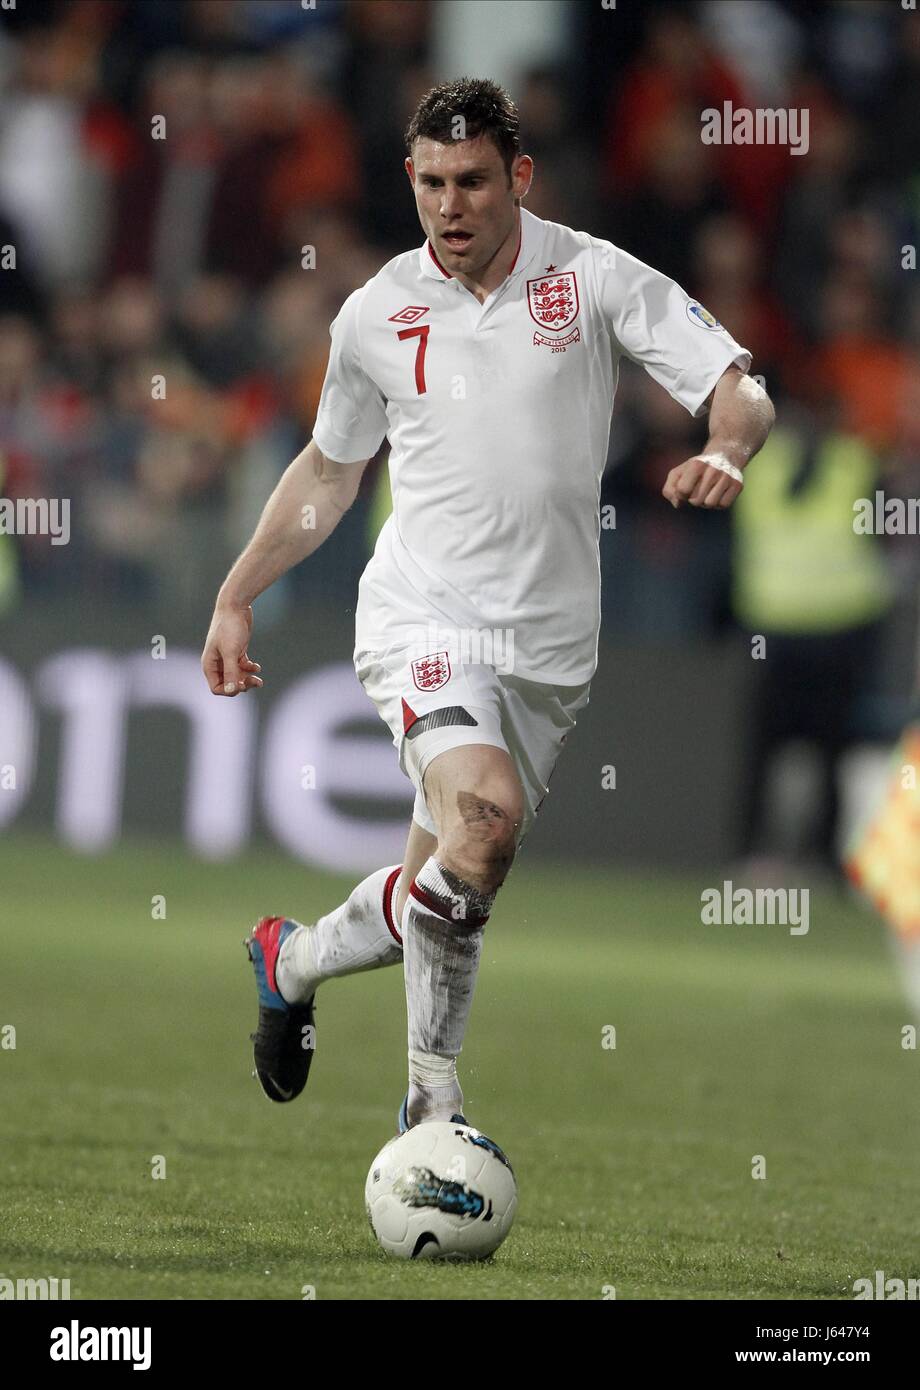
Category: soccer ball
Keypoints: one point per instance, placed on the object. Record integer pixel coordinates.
(440, 1191)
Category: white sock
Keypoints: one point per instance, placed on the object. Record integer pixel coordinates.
(442, 926)
(434, 1088)
(361, 934)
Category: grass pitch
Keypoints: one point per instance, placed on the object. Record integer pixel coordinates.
(634, 1163)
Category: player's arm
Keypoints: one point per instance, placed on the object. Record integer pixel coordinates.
(741, 416)
(310, 500)
(694, 357)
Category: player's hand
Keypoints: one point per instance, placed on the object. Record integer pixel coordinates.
(226, 665)
(701, 484)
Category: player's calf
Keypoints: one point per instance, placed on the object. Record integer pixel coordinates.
(443, 929)
(476, 799)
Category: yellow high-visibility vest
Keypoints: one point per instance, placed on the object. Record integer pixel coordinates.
(381, 505)
(9, 574)
(799, 565)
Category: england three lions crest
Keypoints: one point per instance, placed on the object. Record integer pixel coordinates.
(553, 300)
(431, 672)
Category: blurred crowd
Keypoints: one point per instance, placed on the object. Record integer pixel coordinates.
(182, 260)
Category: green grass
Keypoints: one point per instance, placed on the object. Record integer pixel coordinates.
(634, 1164)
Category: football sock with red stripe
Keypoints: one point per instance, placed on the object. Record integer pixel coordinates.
(361, 934)
(442, 924)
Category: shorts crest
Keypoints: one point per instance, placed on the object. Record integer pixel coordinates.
(431, 672)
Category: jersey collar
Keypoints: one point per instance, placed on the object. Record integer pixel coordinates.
(531, 237)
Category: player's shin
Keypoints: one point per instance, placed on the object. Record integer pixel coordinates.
(443, 923)
(361, 934)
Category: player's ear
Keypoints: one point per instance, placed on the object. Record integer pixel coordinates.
(521, 176)
(410, 169)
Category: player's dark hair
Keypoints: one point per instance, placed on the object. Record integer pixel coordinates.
(486, 108)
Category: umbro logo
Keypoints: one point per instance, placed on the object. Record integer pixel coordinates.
(410, 314)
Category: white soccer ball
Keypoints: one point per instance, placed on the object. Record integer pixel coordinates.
(440, 1191)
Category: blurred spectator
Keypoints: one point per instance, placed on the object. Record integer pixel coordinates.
(386, 73)
(811, 593)
(565, 181)
(728, 276)
(663, 572)
(861, 365)
(52, 186)
(678, 194)
(761, 42)
(815, 199)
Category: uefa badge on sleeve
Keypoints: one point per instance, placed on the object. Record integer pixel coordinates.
(697, 314)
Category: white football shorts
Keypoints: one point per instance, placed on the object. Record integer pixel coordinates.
(433, 703)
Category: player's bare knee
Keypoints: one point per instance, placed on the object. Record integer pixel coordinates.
(480, 845)
(490, 821)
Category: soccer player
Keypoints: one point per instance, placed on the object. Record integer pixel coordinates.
(488, 358)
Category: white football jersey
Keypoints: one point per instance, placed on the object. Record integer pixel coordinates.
(498, 418)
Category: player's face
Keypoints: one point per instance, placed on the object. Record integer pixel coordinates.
(465, 199)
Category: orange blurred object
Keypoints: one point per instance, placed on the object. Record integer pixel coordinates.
(885, 861)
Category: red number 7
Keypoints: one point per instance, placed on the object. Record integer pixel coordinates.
(422, 335)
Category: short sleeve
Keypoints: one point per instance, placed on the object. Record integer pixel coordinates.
(351, 421)
(656, 323)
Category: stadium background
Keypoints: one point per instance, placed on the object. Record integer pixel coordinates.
(183, 257)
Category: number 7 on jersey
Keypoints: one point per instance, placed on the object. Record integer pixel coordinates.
(422, 335)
